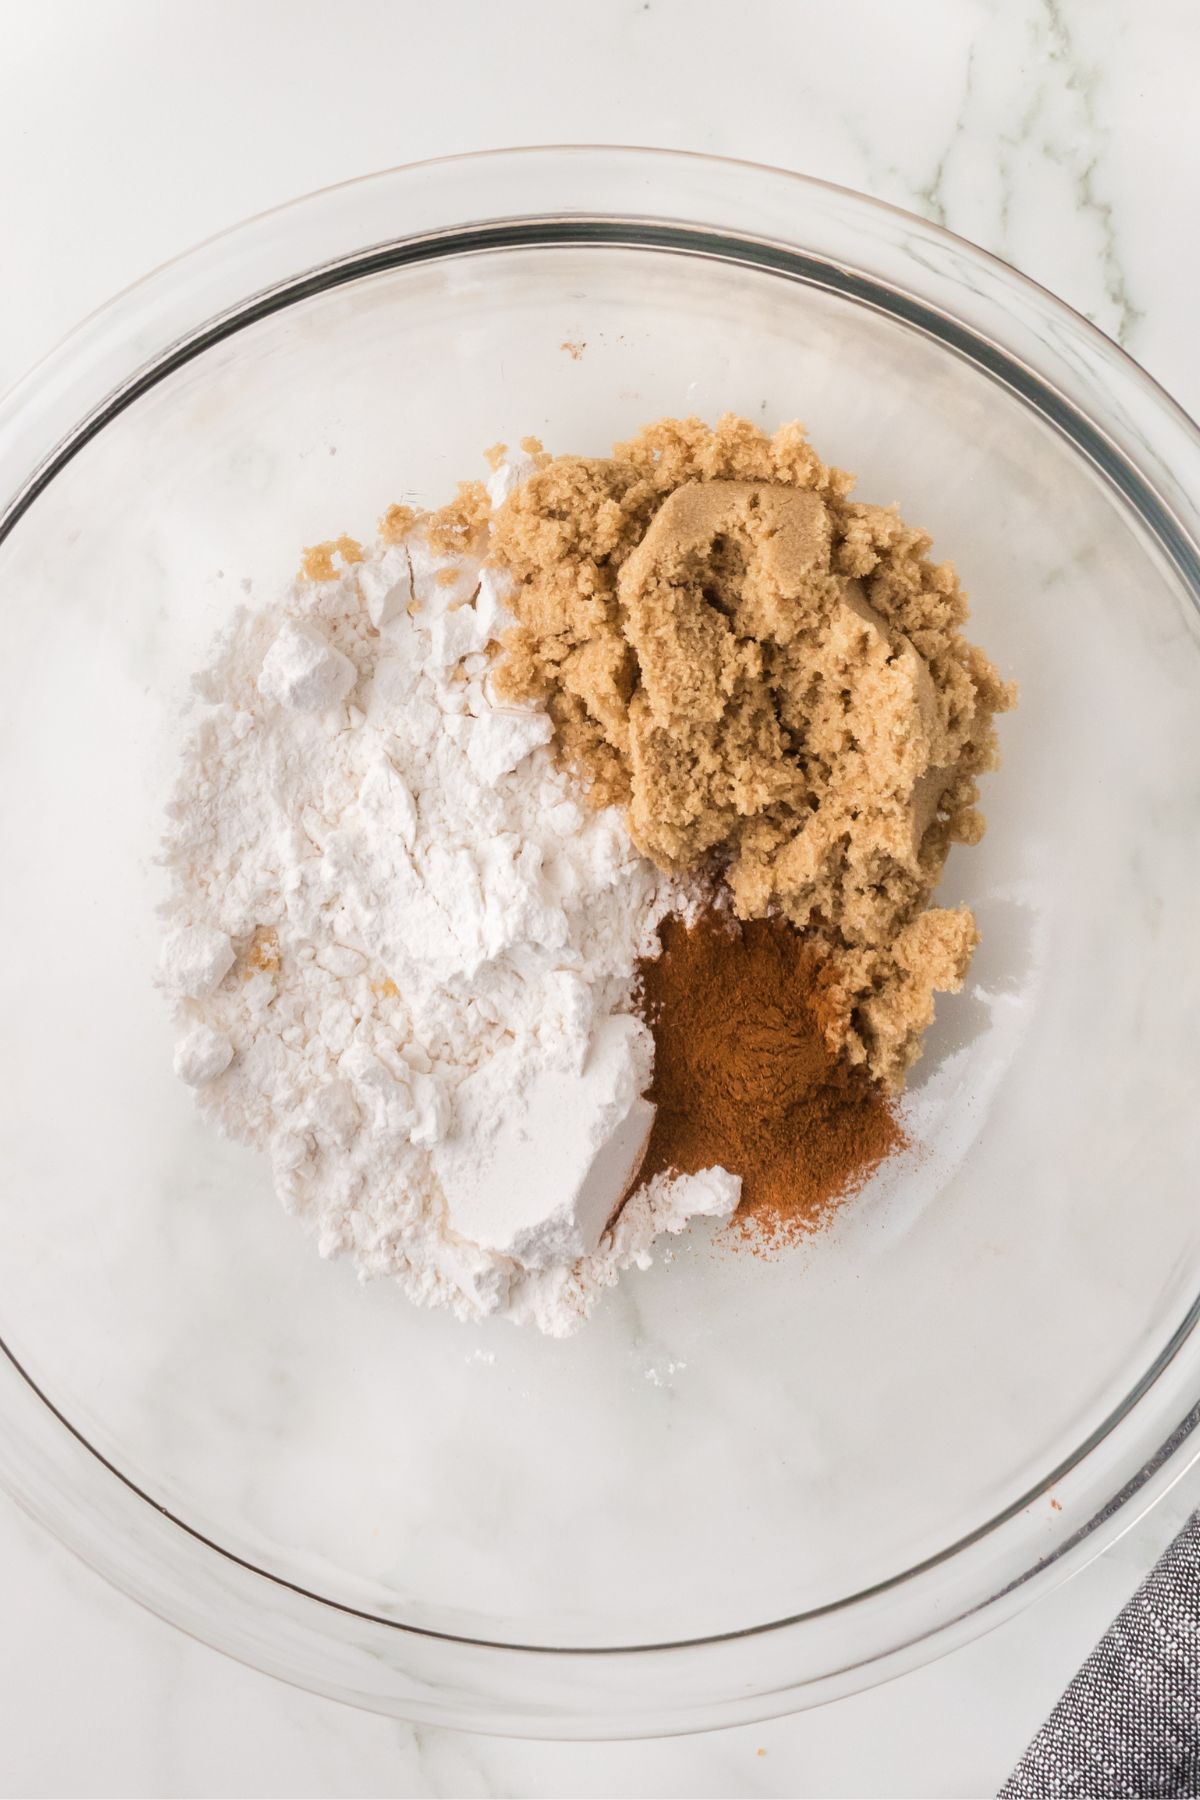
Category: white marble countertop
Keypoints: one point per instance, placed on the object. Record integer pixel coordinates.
(1058, 134)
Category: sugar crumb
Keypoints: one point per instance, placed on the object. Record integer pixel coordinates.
(317, 562)
(396, 523)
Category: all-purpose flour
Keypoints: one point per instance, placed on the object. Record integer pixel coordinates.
(401, 953)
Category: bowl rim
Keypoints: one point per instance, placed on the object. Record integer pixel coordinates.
(1173, 523)
(662, 155)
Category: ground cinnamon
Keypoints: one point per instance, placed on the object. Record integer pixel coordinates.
(744, 1075)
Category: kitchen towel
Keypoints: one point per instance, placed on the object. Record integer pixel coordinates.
(1129, 1724)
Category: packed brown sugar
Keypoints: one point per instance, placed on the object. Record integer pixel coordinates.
(771, 680)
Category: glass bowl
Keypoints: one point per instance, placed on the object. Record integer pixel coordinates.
(748, 1485)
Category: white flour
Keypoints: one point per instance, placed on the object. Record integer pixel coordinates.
(401, 954)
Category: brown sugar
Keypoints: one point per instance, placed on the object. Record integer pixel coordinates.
(318, 564)
(263, 953)
(744, 1075)
(454, 528)
(396, 524)
(770, 678)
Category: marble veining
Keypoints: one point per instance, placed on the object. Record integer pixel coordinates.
(1032, 112)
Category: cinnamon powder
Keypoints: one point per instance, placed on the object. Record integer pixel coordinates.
(744, 1075)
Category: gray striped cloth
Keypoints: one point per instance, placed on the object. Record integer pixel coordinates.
(1129, 1724)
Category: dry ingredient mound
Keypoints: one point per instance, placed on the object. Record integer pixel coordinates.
(744, 1076)
(768, 676)
(455, 1006)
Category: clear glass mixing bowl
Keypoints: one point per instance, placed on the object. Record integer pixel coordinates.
(748, 1485)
